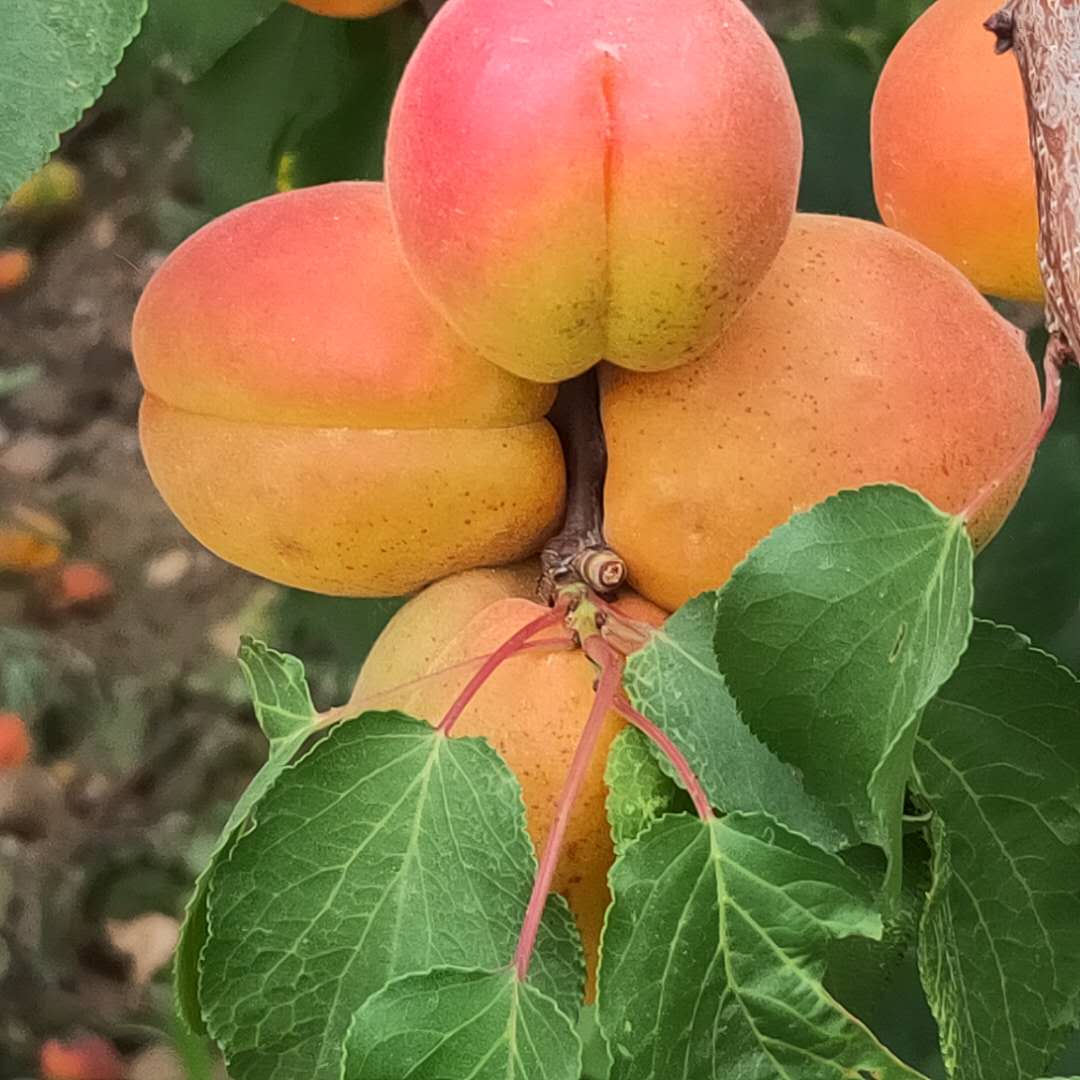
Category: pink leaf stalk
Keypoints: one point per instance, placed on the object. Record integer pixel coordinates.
(608, 687)
(509, 648)
(671, 752)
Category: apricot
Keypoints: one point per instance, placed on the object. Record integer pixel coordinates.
(348, 9)
(15, 742)
(87, 1058)
(532, 710)
(601, 179)
(952, 163)
(308, 416)
(16, 265)
(863, 358)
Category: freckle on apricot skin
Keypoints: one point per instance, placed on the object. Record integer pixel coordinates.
(899, 402)
(288, 340)
(548, 244)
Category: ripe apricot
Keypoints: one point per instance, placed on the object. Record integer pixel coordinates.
(863, 358)
(532, 710)
(88, 1058)
(601, 179)
(308, 416)
(15, 742)
(16, 265)
(952, 164)
(348, 9)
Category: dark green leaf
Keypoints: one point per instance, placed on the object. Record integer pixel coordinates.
(836, 631)
(190, 36)
(713, 956)
(387, 850)
(464, 1025)
(674, 680)
(55, 59)
(834, 82)
(998, 761)
(301, 100)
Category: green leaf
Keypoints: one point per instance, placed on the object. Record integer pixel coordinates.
(481, 1025)
(639, 791)
(301, 88)
(387, 850)
(675, 681)
(287, 717)
(55, 60)
(998, 762)
(714, 952)
(836, 631)
(860, 971)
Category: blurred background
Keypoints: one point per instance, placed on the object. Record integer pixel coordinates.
(125, 736)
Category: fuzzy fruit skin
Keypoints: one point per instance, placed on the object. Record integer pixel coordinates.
(863, 358)
(952, 161)
(310, 418)
(595, 179)
(532, 710)
(348, 9)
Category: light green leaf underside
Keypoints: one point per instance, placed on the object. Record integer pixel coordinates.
(713, 957)
(387, 850)
(998, 761)
(639, 791)
(464, 1025)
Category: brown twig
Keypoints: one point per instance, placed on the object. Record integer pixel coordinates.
(1045, 37)
(579, 554)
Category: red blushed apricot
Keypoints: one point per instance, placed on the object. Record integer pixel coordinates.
(863, 358)
(309, 417)
(348, 9)
(599, 179)
(952, 163)
(532, 710)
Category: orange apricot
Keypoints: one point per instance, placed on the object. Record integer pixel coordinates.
(15, 742)
(348, 9)
(601, 179)
(952, 163)
(16, 265)
(863, 358)
(309, 417)
(87, 1058)
(532, 710)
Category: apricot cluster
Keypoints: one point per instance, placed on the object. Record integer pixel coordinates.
(346, 386)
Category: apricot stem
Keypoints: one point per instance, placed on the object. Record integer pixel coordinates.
(1056, 357)
(579, 553)
(686, 774)
(513, 645)
(611, 665)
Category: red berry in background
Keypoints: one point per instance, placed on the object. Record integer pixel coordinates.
(15, 744)
(87, 1058)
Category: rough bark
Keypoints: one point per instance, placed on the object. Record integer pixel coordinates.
(1045, 36)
